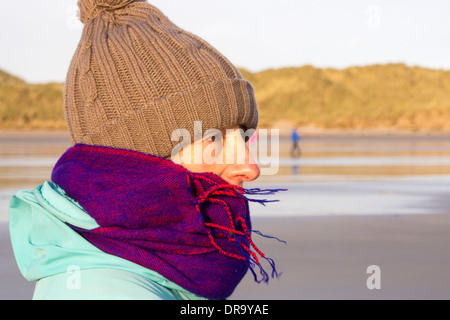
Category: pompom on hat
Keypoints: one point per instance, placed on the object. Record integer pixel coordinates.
(91, 8)
(136, 77)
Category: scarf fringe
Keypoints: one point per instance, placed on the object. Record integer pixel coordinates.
(259, 191)
(247, 254)
(275, 273)
(269, 237)
(254, 263)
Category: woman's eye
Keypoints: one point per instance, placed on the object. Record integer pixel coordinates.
(212, 139)
(245, 137)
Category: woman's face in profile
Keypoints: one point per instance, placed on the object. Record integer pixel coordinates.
(224, 152)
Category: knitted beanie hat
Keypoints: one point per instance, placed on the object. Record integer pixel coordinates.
(136, 77)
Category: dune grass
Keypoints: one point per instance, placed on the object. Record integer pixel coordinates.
(378, 96)
(392, 96)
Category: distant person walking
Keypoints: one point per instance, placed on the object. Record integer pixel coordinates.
(295, 150)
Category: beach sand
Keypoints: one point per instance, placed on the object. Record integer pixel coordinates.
(327, 258)
(12, 285)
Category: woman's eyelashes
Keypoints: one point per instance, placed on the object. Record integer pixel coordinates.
(219, 138)
(245, 136)
(214, 138)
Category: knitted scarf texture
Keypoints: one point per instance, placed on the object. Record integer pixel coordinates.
(192, 228)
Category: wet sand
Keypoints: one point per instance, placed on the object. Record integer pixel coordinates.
(327, 258)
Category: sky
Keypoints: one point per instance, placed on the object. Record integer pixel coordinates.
(39, 37)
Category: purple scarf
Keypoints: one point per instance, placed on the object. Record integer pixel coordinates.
(192, 228)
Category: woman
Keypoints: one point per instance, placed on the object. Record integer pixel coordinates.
(120, 219)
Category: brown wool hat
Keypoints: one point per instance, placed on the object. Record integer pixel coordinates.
(135, 78)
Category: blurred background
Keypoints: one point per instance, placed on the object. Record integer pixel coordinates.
(366, 85)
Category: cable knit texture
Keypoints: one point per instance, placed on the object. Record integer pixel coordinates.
(136, 77)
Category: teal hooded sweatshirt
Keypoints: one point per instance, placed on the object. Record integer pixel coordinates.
(64, 264)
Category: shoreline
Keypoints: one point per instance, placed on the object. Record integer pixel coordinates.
(284, 133)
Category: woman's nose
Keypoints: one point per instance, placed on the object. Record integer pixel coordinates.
(245, 169)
